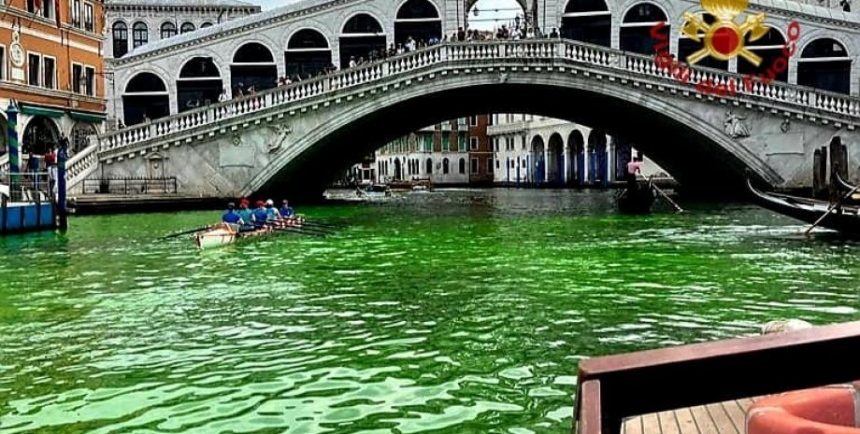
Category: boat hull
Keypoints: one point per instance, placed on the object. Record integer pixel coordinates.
(225, 233)
(638, 202)
(845, 220)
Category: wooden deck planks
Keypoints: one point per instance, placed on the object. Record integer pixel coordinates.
(718, 418)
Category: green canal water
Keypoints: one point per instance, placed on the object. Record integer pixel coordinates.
(454, 312)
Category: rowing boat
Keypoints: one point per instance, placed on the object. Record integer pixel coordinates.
(223, 234)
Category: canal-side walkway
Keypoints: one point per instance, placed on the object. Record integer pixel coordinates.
(727, 417)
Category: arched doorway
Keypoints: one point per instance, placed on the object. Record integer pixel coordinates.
(199, 84)
(576, 148)
(362, 38)
(253, 66)
(824, 64)
(429, 166)
(587, 21)
(687, 47)
(307, 54)
(599, 163)
(623, 155)
(636, 28)
(538, 166)
(445, 164)
(418, 19)
(145, 96)
(555, 163)
(769, 48)
(80, 134)
(40, 135)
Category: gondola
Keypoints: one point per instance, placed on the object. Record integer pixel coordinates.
(636, 201)
(844, 219)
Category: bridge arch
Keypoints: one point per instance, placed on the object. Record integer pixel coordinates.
(687, 46)
(555, 159)
(587, 21)
(145, 97)
(199, 84)
(662, 128)
(636, 25)
(769, 48)
(362, 39)
(577, 156)
(253, 66)
(418, 19)
(825, 63)
(308, 53)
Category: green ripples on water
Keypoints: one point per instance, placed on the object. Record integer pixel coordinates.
(457, 312)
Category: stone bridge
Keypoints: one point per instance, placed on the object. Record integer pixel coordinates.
(295, 137)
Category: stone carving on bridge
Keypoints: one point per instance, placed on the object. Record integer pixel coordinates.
(735, 126)
(785, 125)
(281, 133)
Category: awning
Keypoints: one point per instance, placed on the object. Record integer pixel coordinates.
(87, 117)
(41, 111)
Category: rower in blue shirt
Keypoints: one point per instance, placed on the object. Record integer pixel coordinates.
(260, 215)
(231, 216)
(272, 214)
(286, 210)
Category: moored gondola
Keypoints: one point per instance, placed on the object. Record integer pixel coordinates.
(842, 218)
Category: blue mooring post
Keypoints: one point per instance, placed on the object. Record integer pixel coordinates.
(14, 155)
(62, 156)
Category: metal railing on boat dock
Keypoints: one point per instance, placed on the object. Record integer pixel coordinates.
(616, 387)
(130, 186)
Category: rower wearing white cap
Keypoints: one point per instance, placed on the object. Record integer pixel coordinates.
(272, 214)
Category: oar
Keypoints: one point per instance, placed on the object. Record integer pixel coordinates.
(665, 196)
(190, 231)
(830, 208)
(300, 231)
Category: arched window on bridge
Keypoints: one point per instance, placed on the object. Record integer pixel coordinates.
(555, 159)
(428, 165)
(361, 38)
(599, 165)
(145, 95)
(576, 146)
(538, 168)
(168, 30)
(418, 19)
(139, 34)
(445, 164)
(253, 65)
(769, 48)
(307, 54)
(636, 28)
(587, 21)
(687, 46)
(187, 27)
(199, 84)
(120, 39)
(205, 25)
(825, 64)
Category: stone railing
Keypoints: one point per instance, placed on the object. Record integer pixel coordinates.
(81, 165)
(546, 52)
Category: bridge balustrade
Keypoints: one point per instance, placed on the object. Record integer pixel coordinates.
(548, 52)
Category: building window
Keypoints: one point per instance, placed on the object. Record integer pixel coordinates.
(120, 39)
(445, 166)
(461, 142)
(474, 165)
(429, 166)
(187, 27)
(205, 25)
(44, 8)
(2, 63)
(89, 18)
(139, 34)
(489, 165)
(49, 72)
(90, 82)
(34, 70)
(428, 143)
(491, 120)
(75, 13)
(168, 30)
(446, 142)
(77, 77)
(473, 143)
(473, 121)
(462, 167)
